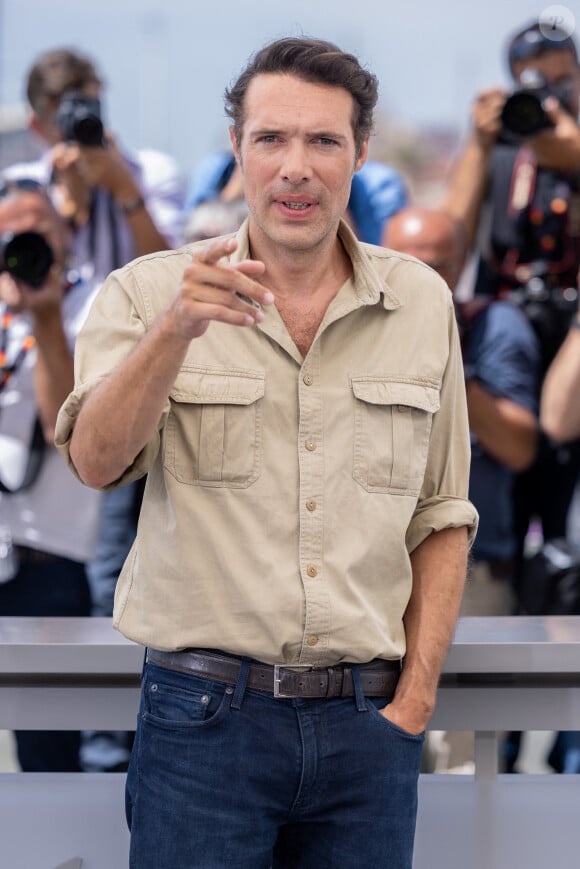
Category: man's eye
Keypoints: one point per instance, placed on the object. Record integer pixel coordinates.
(325, 140)
(269, 139)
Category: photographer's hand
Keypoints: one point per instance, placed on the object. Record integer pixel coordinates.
(106, 169)
(464, 198)
(486, 114)
(558, 147)
(72, 194)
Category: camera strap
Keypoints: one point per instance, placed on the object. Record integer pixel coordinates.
(34, 464)
(113, 226)
(37, 442)
(7, 370)
(523, 182)
(546, 209)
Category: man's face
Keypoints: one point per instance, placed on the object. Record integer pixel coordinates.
(298, 156)
(431, 238)
(558, 68)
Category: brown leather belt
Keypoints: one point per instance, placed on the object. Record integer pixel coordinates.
(378, 678)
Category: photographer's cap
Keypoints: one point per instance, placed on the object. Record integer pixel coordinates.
(536, 40)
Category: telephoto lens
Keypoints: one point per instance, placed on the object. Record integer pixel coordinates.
(27, 256)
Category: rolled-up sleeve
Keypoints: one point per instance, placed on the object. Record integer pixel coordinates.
(117, 321)
(443, 501)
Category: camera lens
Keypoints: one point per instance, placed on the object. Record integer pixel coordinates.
(28, 257)
(523, 114)
(88, 130)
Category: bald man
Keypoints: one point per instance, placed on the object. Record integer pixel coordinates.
(432, 236)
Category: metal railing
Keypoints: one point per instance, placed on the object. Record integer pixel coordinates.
(500, 674)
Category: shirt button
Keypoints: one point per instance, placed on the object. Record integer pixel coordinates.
(310, 446)
(312, 641)
(403, 408)
(307, 379)
(311, 505)
(311, 570)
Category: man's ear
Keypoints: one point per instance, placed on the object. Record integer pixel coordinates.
(234, 142)
(361, 159)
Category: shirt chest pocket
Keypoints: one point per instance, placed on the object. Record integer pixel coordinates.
(213, 435)
(392, 427)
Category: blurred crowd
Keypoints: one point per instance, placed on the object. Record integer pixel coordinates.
(506, 239)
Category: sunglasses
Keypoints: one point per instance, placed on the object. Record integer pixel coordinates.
(534, 43)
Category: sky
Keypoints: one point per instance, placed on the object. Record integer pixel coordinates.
(166, 62)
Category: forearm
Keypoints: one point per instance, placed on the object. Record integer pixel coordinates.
(122, 414)
(466, 192)
(439, 568)
(53, 372)
(505, 430)
(146, 236)
(560, 403)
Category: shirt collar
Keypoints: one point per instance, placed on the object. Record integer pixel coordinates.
(367, 283)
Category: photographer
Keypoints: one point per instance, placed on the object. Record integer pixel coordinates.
(516, 187)
(521, 191)
(48, 523)
(119, 206)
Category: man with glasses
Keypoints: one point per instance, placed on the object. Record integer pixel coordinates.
(48, 523)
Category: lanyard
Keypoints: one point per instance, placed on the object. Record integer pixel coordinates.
(36, 446)
(7, 369)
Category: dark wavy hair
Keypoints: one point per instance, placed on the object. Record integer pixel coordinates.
(316, 61)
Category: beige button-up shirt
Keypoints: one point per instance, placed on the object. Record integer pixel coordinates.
(284, 494)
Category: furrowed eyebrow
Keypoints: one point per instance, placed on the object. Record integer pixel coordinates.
(316, 134)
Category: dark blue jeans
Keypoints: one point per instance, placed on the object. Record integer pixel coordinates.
(223, 777)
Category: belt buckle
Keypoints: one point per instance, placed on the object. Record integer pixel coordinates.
(278, 667)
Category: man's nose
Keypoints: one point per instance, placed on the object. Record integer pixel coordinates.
(296, 166)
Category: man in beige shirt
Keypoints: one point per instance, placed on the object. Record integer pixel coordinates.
(297, 401)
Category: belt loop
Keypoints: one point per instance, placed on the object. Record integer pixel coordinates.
(346, 676)
(358, 691)
(241, 684)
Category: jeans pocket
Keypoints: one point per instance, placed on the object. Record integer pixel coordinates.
(169, 704)
(376, 704)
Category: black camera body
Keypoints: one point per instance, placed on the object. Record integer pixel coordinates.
(27, 256)
(79, 119)
(549, 310)
(523, 114)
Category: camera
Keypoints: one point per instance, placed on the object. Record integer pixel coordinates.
(549, 310)
(79, 119)
(523, 114)
(27, 256)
